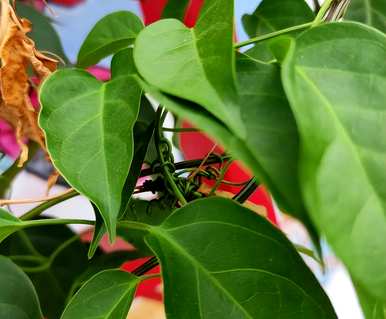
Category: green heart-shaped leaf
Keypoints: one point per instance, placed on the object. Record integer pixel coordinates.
(89, 133)
(271, 16)
(371, 12)
(232, 261)
(194, 64)
(8, 224)
(339, 103)
(106, 295)
(18, 299)
(112, 33)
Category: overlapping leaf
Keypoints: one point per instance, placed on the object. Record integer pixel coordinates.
(194, 64)
(89, 131)
(185, 66)
(271, 146)
(335, 78)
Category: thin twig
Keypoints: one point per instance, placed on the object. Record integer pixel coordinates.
(33, 200)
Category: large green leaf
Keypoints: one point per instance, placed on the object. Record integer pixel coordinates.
(18, 299)
(371, 12)
(8, 224)
(89, 132)
(122, 64)
(43, 33)
(111, 34)
(107, 295)
(271, 16)
(195, 64)
(339, 103)
(232, 261)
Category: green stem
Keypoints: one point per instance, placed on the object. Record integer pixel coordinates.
(134, 225)
(28, 243)
(168, 176)
(219, 180)
(36, 259)
(273, 34)
(188, 164)
(47, 222)
(322, 12)
(44, 206)
(247, 191)
(46, 265)
(151, 276)
(180, 129)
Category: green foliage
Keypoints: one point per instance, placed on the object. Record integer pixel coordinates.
(305, 112)
(18, 299)
(341, 159)
(111, 34)
(271, 16)
(257, 99)
(47, 255)
(106, 295)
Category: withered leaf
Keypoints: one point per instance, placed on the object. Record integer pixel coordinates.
(17, 55)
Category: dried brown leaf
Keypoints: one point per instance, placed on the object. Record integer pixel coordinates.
(17, 55)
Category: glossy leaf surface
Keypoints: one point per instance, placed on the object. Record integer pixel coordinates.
(111, 34)
(371, 12)
(107, 295)
(18, 298)
(221, 247)
(339, 106)
(89, 132)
